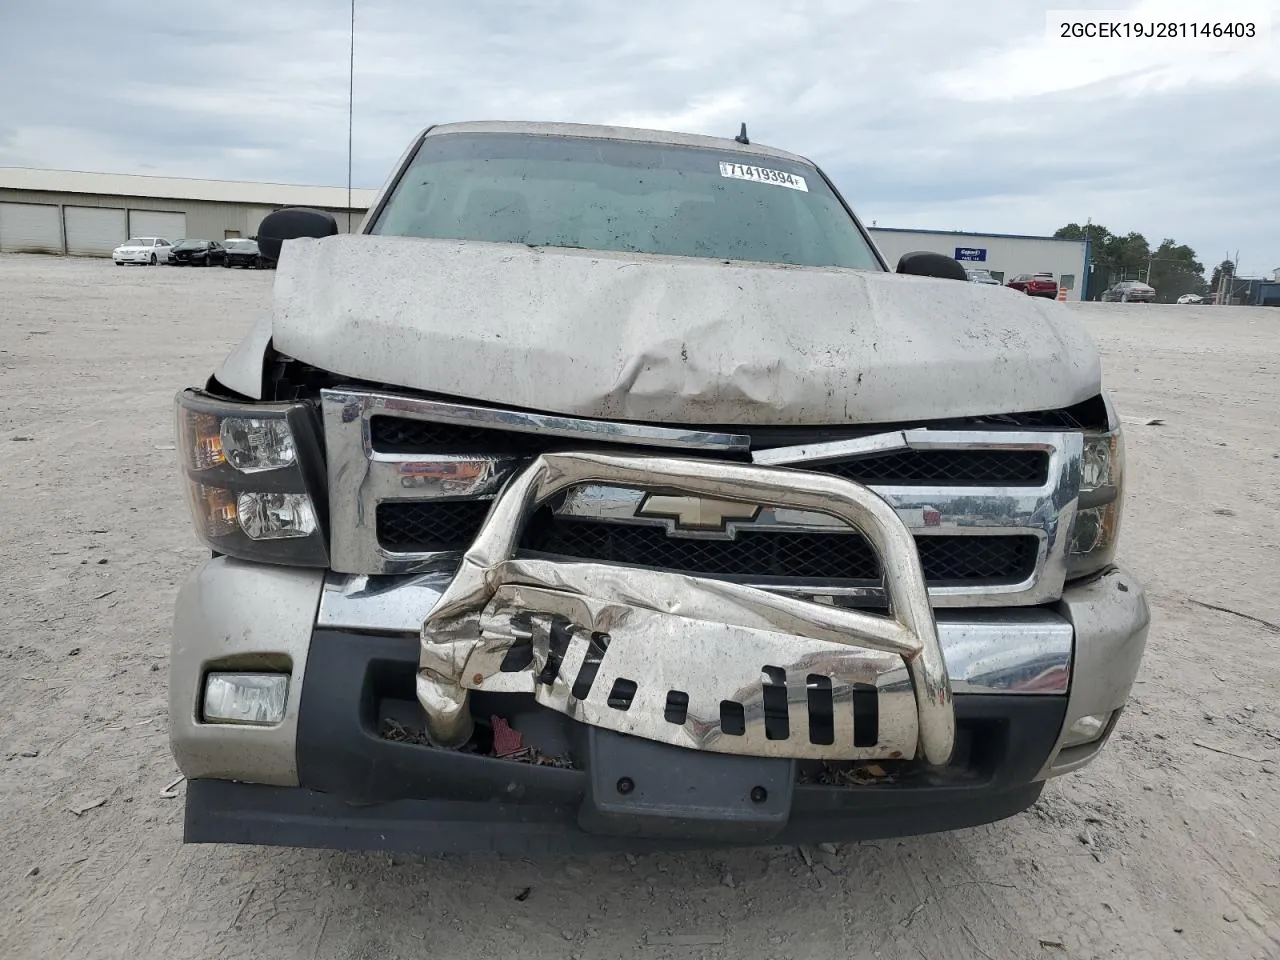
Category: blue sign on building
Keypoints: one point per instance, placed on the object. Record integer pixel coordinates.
(971, 253)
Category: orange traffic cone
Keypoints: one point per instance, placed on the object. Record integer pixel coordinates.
(1062, 294)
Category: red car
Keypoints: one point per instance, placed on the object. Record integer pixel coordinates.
(1035, 285)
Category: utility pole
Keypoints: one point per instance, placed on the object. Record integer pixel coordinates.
(1223, 294)
(1087, 286)
(351, 100)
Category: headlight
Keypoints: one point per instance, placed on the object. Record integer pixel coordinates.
(253, 477)
(1097, 525)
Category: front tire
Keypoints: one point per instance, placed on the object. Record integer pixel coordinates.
(154, 261)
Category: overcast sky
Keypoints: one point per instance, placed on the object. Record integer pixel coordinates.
(927, 113)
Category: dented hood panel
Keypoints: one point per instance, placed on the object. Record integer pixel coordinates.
(672, 339)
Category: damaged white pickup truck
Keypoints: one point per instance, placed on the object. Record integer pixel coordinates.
(607, 489)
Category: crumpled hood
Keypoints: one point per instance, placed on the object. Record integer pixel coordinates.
(672, 339)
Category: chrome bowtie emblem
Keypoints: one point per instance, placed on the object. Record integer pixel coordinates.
(696, 513)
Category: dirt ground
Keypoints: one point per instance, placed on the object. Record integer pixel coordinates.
(1168, 846)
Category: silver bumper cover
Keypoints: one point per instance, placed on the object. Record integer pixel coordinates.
(234, 615)
(1087, 647)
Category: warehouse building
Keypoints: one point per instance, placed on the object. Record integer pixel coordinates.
(1004, 255)
(89, 214)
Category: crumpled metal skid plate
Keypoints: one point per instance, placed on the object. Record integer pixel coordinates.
(711, 640)
(708, 662)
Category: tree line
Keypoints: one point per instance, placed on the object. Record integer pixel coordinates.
(1171, 267)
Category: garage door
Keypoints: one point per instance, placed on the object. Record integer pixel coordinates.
(94, 231)
(29, 228)
(153, 223)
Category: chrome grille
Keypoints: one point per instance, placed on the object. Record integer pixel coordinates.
(410, 481)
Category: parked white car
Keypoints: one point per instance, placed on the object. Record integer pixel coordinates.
(1191, 298)
(144, 250)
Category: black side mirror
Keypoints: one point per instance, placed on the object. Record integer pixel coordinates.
(291, 223)
(922, 263)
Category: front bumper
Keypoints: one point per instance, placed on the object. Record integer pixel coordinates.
(326, 777)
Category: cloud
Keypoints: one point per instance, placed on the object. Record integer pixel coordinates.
(925, 112)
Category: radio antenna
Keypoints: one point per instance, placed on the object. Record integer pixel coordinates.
(351, 88)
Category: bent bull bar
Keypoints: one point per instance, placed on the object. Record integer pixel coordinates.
(596, 629)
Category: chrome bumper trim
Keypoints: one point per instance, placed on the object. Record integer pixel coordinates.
(1016, 650)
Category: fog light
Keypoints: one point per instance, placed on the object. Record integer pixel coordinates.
(1086, 730)
(255, 698)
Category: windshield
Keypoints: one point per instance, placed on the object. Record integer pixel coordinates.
(241, 246)
(139, 241)
(636, 197)
(192, 244)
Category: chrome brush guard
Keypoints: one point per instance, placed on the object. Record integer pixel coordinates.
(692, 662)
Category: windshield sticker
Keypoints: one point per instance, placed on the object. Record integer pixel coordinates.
(778, 178)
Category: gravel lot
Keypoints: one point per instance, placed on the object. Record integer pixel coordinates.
(1169, 846)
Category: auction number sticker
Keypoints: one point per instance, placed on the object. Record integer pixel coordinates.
(778, 178)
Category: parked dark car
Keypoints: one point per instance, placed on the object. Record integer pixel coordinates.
(1035, 285)
(1129, 291)
(199, 253)
(243, 253)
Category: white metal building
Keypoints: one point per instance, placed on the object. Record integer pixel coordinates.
(89, 214)
(1005, 255)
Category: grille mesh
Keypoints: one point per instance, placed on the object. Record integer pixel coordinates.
(399, 435)
(950, 467)
(763, 554)
(442, 525)
(452, 525)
